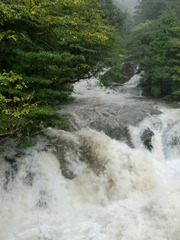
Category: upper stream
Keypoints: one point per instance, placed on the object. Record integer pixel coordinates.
(112, 174)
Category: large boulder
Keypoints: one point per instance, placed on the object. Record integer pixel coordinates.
(146, 138)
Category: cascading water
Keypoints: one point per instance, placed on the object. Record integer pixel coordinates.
(83, 184)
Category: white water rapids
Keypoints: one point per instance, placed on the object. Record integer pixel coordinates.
(116, 192)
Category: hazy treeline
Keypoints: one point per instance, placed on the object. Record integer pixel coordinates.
(155, 46)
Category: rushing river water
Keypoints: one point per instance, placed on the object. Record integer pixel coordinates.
(114, 174)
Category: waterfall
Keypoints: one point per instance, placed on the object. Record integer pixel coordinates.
(113, 174)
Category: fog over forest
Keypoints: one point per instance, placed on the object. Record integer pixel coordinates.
(126, 4)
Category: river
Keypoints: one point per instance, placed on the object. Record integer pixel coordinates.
(112, 174)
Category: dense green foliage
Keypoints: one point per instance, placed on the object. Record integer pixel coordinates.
(155, 47)
(114, 59)
(115, 15)
(14, 104)
(46, 45)
(164, 56)
(153, 9)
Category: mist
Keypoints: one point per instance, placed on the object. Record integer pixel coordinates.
(126, 4)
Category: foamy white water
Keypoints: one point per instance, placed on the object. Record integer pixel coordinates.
(116, 192)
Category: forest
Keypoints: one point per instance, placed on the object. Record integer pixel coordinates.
(46, 46)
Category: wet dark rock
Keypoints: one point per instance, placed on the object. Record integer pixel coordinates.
(113, 121)
(146, 138)
(12, 163)
(28, 180)
(154, 112)
(128, 69)
(66, 148)
(115, 131)
(72, 147)
(42, 202)
(89, 156)
(171, 139)
(9, 177)
(12, 169)
(127, 138)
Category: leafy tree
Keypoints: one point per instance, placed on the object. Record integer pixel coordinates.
(14, 104)
(175, 50)
(139, 44)
(115, 15)
(50, 45)
(114, 59)
(164, 55)
(155, 48)
(139, 47)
